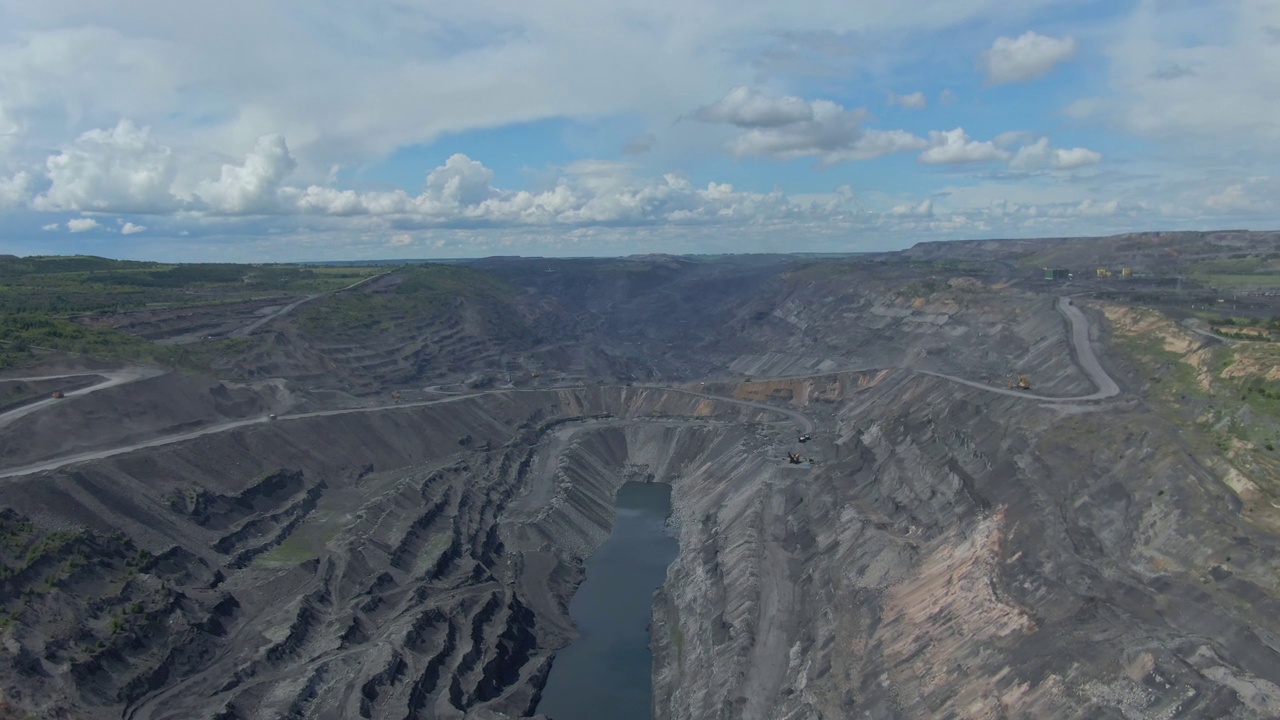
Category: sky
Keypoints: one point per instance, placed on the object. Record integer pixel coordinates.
(371, 129)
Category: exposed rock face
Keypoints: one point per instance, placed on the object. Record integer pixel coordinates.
(367, 575)
(957, 559)
(955, 552)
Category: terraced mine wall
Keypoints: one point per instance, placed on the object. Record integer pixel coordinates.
(955, 553)
(355, 565)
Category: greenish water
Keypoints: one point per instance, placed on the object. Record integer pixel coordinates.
(607, 672)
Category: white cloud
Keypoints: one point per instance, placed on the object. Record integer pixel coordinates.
(1072, 158)
(947, 97)
(955, 146)
(789, 127)
(121, 169)
(460, 193)
(50, 227)
(1039, 155)
(1258, 194)
(15, 190)
(460, 182)
(922, 209)
(1202, 77)
(251, 187)
(913, 101)
(79, 225)
(747, 108)
(1098, 209)
(400, 240)
(131, 229)
(1029, 56)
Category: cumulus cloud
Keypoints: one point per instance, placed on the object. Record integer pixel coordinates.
(14, 191)
(79, 225)
(922, 209)
(1029, 56)
(955, 146)
(747, 108)
(50, 227)
(1256, 194)
(131, 229)
(914, 101)
(252, 186)
(461, 194)
(460, 182)
(122, 169)
(1040, 155)
(788, 127)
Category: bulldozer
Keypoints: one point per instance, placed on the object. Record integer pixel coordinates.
(1022, 383)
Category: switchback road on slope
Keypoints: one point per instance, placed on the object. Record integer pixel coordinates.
(803, 422)
(1079, 337)
(1083, 349)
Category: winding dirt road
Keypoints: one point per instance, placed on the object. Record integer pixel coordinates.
(110, 378)
(1083, 349)
(1079, 337)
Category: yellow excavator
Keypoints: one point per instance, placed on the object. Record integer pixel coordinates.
(395, 397)
(1022, 383)
(798, 459)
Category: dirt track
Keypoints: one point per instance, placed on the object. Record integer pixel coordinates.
(1080, 342)
(111, 378)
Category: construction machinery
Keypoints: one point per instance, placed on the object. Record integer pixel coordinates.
(805, 438)
(395, 397)
(58, 395)
(1022, 383)
(798, 459)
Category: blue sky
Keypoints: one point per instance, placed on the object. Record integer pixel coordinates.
(407, 128)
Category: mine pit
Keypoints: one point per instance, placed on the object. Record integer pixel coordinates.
(609, 665)
(461, 510)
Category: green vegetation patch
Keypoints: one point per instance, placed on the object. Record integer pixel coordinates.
(28, 332)
(1242, 281)
(79, 284)
(424, 290)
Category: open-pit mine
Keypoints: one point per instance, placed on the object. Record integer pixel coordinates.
(947, 482)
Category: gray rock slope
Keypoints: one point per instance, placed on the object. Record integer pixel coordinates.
(955, 552)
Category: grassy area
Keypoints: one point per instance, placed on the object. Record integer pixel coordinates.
(40, 296)
(67, 286)
(425, 290)
(1226, 398)
(1242, 281)
(28, 332)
